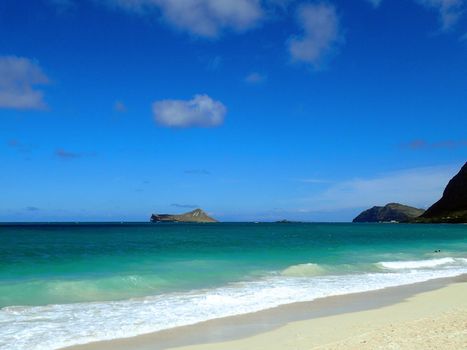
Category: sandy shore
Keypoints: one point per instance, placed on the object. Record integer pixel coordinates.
(430, 315)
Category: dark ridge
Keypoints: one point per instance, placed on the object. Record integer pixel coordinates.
(392, 212)
(452, 207)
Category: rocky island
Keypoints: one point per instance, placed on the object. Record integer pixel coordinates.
(452, 207)
(392, 212)
(195, 216)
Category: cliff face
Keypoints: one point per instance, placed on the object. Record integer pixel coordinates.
(197, 215)
(452, 207)
(390, 212)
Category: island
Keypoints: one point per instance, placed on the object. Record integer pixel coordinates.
(392, 212)
(195, 216)
(452, 207)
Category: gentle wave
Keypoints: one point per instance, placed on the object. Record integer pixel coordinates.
(55, 326)
(61, 291)
(313, 269)
(420, 264)
(304, 270)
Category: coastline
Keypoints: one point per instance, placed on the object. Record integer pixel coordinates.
(304, 325)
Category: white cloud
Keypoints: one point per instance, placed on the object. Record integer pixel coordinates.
(449, 11)
(255, 78)
(418, 187)
(200, 111)
(321, 34)
(207, 18)
(18, 76)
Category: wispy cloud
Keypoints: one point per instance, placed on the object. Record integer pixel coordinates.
(315, 181)
(120, 107)
(197, 172)
(205, 18)
(201, 111)
(186, 206)
(20, 146)
(418, 187)
(424, 145)
(321, 34)
(255, 78)
(449, 11)
(61, 153)
(375, 3)
(63, 5)
(31, 208)
(279, 4)
(18, 78)
(214, 63)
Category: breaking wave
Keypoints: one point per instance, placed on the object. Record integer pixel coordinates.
(56, 326)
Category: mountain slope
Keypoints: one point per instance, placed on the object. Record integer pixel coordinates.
(452, 207)
(390, 212)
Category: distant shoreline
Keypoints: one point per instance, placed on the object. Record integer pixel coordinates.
(117, 223)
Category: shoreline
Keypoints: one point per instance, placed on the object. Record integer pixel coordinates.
(232, 329)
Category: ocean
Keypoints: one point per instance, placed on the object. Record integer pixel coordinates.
(70, 284)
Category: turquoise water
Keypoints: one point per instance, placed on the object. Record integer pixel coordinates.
(138, 278)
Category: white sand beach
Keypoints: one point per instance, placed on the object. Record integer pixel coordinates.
(421, 316)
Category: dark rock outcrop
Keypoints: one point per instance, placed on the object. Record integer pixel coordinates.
(452, 207)
(197, 215)
(285, 221)
(390, 212)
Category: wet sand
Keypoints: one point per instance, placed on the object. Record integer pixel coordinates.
(417, 316)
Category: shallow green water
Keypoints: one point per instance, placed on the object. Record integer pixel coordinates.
(57, 264)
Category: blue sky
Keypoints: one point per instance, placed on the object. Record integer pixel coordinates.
(252, 110)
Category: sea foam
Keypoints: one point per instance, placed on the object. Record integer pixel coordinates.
(420, 264)
(55, 326)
